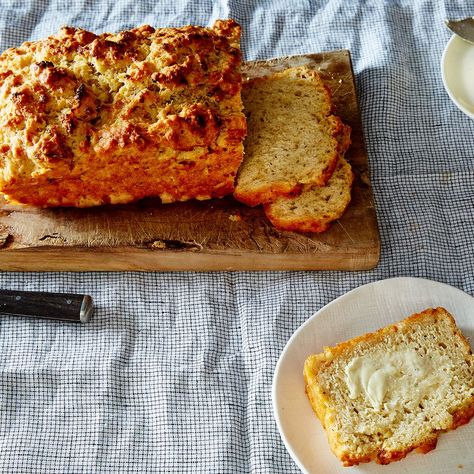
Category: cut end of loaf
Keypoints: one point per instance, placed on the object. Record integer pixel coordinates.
(427, 372)
(315, 207)
(292, 135)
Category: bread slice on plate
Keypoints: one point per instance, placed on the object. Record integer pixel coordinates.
(317, 206)
(292, 135)
(381, 395)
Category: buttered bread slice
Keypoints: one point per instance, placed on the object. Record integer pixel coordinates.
(292, 135)
(381, 395)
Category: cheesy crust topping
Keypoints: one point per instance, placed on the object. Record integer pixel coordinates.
(90, 119)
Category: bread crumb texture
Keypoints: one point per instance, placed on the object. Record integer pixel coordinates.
(316, 207)
(91, 119)
(292, 137)
(381, 395)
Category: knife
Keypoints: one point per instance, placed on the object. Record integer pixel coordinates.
(38, 304)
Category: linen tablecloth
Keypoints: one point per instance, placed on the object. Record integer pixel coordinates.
(174, 372)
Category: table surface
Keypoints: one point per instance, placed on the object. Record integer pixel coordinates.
(174, 372)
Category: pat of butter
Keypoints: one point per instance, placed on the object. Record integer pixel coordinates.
(392, 378)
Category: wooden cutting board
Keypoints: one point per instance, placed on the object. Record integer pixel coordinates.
(211, 235)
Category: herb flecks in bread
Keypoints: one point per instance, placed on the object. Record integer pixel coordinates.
(381, 395)
(316, 207)
(292, 136)
(90, 119)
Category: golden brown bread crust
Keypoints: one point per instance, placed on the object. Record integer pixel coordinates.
(320, 400)
(90, 119)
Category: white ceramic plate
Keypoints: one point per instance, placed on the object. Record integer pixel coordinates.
(457, 70)
(365, 309)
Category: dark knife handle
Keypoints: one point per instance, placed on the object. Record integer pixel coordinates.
(37, 304)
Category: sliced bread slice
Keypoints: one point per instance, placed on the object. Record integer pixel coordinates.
(317, 206)
(383, 394)
(292, 135)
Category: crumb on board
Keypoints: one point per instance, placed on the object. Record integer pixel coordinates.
(158, 244)
(235, 218)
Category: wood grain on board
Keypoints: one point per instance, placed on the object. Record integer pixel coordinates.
(209, 235)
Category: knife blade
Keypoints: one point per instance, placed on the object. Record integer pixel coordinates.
(36, 304)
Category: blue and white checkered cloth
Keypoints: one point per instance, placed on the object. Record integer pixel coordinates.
(174, 372)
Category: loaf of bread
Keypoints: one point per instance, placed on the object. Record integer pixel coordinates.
(316, 207)
(292, 136)
(90, 119)
(381, 395)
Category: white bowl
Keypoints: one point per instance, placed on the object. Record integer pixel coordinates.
(457, 70)
(362, 310)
